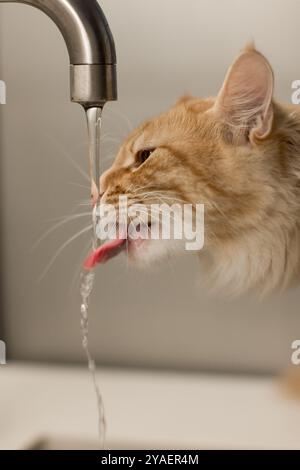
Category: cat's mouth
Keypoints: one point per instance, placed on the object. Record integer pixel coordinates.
(105, 252)
(112, 248)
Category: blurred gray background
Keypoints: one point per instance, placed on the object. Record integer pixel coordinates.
(159, 318)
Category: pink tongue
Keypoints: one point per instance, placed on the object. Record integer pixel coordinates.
(104, 253)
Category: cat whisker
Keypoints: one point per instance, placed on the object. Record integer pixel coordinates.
(162, 196)
(61, 248)
(55, 227)
(85, 204)
(154, 191)
(63, 217)
(67, 156)
(79, 185)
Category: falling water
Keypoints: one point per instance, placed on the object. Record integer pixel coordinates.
(87, 277)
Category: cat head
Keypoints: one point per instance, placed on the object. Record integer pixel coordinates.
(220, 152)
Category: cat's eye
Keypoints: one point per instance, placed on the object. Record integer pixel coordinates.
(143, 155)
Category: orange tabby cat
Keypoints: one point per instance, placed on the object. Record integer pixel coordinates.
(239, 155)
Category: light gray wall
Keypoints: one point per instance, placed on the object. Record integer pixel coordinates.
(1, 199)
(160, 318)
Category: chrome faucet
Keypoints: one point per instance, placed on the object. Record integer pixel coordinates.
(91, 48)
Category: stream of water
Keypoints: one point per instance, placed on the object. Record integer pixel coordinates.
(88, 277)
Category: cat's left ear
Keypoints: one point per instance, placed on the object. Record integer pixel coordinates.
(245, 99)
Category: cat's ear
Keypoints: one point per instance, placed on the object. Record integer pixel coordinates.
(245, 99)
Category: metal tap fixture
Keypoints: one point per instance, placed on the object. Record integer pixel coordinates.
(90, 45)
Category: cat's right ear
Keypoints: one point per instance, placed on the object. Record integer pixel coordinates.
(245, 99)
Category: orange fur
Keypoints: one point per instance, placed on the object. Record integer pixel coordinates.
(239, 154)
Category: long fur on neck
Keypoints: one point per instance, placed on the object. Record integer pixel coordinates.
(267, 256)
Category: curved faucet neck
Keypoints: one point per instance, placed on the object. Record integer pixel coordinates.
(90, 45)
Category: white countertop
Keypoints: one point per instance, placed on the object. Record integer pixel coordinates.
(145, 409)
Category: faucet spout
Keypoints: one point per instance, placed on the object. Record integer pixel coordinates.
(91, 48)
